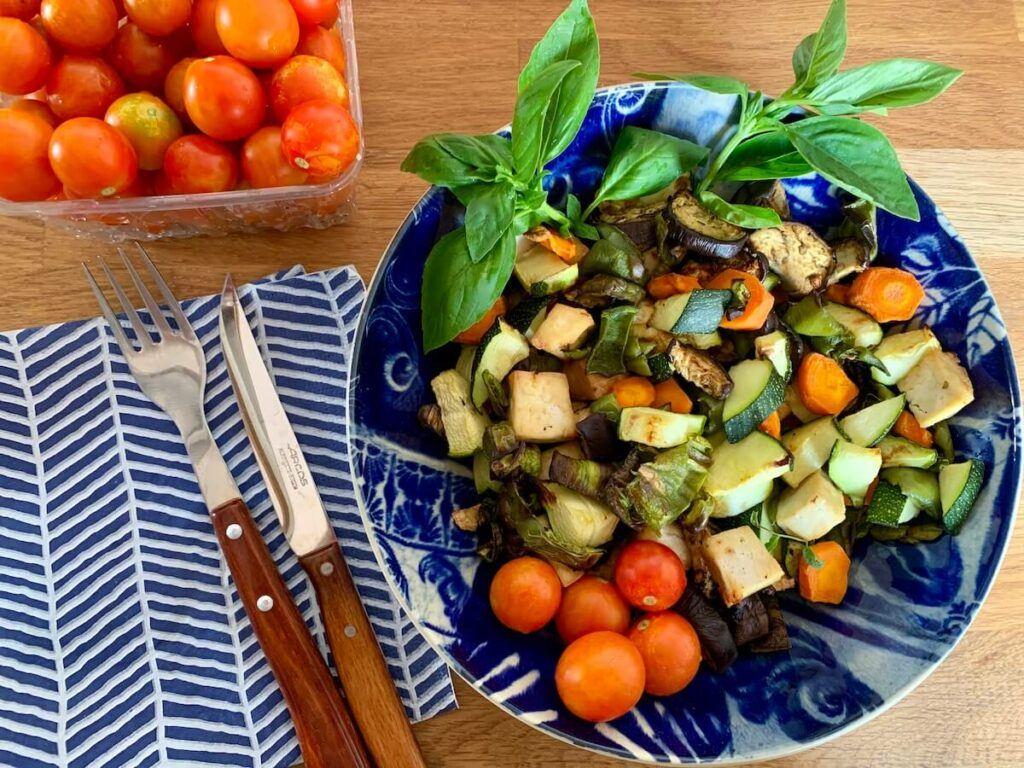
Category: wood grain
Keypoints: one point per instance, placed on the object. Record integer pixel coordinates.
(451, 65)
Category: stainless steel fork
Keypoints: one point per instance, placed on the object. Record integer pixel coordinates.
(171, 370)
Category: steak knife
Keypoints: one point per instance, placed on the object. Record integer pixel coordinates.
(363, 672)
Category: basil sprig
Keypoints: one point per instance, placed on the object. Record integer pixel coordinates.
(827, 138)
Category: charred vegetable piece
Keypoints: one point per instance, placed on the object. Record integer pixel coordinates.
(607, 357)
(602, 290)
(716, 641)
(638, 218)
(464, 426)
(581, 475)
(796, 254)
(468, 519)
(777, 638)
(861, 223)
(580, 520)
(766, 194)
(537, 535)
(616, 490)
(664, 488)
(701, 232)
(616, 255)
(429, 416)
(749, 620)
(598, 437)
(524, 460)
(705, 271)
(500, 440)
(851, 257)
(700, 369)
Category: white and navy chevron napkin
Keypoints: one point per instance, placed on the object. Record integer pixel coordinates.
(123, 643)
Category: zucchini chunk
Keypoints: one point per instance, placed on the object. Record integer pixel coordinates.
(698, 311)
(757, 393)
(900, 452)
(540, 410)
(959, 485)
(918, 484)
(540, 271)
(563, 329)
(869, 425)
(742, 474)
(501, 349)
(527, 316)
(812, 509)
(776, 347)
(701, 232)
(937, 387)
(464, 426)
(853, 469)
(796, 254)
(740, 564)
(861, 327)
(658, 428)
(571, 450)
(637, 219)
(890, 507)
(811, 445)
(700, 369)
(578, 519)
(899, 352)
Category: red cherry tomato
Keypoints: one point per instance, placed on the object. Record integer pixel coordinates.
(19, 9)
(650, 575)
(38, 108)
(591, 605)
(204, 28)
(325, 43)
(25, 172)
(91, 158)
(82, 86)
(262, 33)
(264, 164)
(320, 137)
(159, 17)
(302, 79)
(80, 26)
(196, 163)
(149, 124)
(25, 57)
(310, 12)
(600, 676)
(525, 594)
(670, 648)
(224, 98)
(144, 60)
(174, 86)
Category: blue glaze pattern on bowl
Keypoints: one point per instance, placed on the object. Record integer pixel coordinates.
(907, 606)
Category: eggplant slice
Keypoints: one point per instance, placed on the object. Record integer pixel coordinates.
(766, 194)
(701, 232)
(637, 219)
(852, 256)
(797, 255)
(745, 261)
(700, 369)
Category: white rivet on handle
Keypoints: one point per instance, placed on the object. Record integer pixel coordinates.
(265, 603)
(234, 531)
(326, 568)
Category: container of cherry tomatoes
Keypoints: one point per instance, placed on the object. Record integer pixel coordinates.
(142, 119)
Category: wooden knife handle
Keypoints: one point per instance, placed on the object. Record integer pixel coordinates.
(327, 736)
(364, 674)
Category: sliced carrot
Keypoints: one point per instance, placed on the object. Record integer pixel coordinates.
(772, 426)
(838, 293)
(826, 583)
(759, 302)
(909, 427)
(476, 331)
(663, 286)
(633, 391)
(886, 294)
(823, 385)
(568, 249)
(671, 394)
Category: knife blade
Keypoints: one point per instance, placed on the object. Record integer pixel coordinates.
(363, 672)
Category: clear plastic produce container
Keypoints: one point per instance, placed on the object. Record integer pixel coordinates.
(220, 213)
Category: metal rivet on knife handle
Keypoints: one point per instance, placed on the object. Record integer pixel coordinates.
(326, 568)
(234, 531)
(265, 603)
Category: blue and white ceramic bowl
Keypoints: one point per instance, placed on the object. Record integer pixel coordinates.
(906, 608)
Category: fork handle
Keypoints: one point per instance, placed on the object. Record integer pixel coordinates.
(327, 735)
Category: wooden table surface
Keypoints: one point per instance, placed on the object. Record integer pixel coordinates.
(436, 65)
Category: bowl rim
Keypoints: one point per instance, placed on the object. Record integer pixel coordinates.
(428, 634)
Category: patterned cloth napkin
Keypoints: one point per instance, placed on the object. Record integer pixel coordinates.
(122, 640)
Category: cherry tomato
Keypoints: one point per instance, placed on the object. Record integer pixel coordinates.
(25, 57)
(525, 594)
(174, 86)
(19, 9)
(91, 158)
(591, 605)
(82, 86)
(320, 137)
(149, 124)
(325, 43)
(302, 79)
(650, 575)
(80, 26)
(312, 12)
(600, 676)
(223, 98)
(144, 60)
(161, 185)
(159, 17)
(670, 648)
(38, 108)
(204, 28)
(25, 172)
(262, 33)
(264, 164)
(196, 163)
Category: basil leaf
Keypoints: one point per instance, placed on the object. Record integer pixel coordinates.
(857, 157)
(819, 56)
(572, 37)
(457, 292)
(887, 84)
(836, 108)
(747, 216)
(534, 118)
(713, 83)
(644, 161)
(765, 156)
(454, 159)
(810, 557)
(488, 214)
(574, 211)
